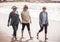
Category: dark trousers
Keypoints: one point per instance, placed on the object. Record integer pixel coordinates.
(15, 28)
(25, 24)
(44, 26)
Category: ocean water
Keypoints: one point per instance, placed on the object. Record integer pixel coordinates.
(53, 9)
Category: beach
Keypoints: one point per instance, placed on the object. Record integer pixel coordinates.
(53, 27)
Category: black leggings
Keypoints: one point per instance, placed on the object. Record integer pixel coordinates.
(15, 27)
(25, 24)
(44, 26)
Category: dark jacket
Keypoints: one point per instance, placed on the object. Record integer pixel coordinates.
(14, 18)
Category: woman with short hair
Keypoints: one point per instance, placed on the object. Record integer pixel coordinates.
(43, 22)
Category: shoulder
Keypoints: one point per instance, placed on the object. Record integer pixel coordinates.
(41, 12)
(46, 12)
(11, 13)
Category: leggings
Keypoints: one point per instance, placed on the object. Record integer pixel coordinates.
(25, 24)
(44, 26)
(15, 28)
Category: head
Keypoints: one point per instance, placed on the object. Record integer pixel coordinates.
(14, 8)
(25, 8)
(44, 9)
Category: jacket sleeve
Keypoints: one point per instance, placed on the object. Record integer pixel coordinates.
(47, 18)
(9, 18)
(40, 18)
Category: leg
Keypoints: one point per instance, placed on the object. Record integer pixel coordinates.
(15, 27)
(16, 31)
(46, 32)
(23, 26)
(13, 34)
(28, 27)
(39, 31)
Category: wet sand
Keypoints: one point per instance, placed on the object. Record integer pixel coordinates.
(53, 32)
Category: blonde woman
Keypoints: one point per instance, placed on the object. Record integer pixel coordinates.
(26, 20)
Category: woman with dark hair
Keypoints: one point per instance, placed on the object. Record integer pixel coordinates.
(43, 21)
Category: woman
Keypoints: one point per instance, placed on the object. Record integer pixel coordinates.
(14, 21)
(26, 20)
(43, 21)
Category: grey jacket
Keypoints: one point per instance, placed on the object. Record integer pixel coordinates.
(41, 18)
(14, 18)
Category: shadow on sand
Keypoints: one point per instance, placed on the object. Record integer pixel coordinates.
(27, 40)
(42, 41)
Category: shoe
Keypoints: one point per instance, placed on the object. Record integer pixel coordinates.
(31, 37)
(46, 38)
(37, 36)
(16, 39)
(12, 40)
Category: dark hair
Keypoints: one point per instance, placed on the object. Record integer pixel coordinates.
(44, 8)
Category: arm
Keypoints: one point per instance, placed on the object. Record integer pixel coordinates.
(47, 19)
(40, 19)
(30, 19)
(19, 20)
(19, 17)
(9, 20)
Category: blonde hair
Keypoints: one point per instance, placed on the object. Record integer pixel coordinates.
(25, 6)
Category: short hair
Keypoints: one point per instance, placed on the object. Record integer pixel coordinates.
(44, 8)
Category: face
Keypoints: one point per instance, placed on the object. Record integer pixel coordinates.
(14, 9)
(25, 9)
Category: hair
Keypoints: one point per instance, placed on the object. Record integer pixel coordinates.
(14, 7)
(44, 8)
(25, 6)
